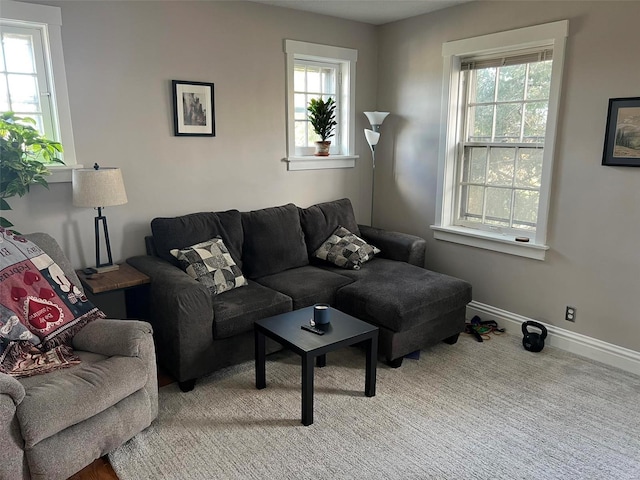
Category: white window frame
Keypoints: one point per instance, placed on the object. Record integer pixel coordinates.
(336, 141)
(48, 20)
(49, 123)
(346, 58)
(550, 34)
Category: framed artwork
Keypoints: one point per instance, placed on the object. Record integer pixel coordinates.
(193, 109)
(622, 137)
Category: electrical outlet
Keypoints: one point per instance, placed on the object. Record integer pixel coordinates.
(570, 314)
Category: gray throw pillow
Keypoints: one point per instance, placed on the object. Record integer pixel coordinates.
(345, 249)
(211, 264)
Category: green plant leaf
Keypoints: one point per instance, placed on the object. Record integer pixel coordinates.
(41, 181)
(23, 153)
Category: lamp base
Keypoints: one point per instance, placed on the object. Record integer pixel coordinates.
(105, 268)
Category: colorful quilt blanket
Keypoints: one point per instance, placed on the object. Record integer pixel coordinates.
(40, 310)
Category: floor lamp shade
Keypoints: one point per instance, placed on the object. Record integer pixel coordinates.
(98, 188)
(372, 137)
(376, 118)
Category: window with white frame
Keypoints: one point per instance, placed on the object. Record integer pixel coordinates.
(24, 82)
(313, 80)
(501, 111)
(505, 119)
(31, 65)
(319, 71)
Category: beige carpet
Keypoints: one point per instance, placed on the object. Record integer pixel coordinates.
(470, 411)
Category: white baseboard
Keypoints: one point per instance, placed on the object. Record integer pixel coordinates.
(614, 355)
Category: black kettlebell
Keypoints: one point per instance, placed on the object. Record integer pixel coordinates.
(532, 341)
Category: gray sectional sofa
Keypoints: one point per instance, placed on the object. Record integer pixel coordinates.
(197, 332)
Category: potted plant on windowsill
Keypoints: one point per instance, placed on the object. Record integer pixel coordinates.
(23, 153)
(322, 116)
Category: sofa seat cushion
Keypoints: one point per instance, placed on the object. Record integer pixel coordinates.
(80, 392)
(273, 241)
(306, 285)
(409, 295)
(235, 311)
(319, 221)
(181, 232)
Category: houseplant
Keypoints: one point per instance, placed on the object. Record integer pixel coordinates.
(322, 116)
(23, 153)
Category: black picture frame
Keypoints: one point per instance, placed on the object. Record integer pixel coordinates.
(193, 109)
(622, 137)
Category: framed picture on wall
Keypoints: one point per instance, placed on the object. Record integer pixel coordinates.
(622, 137)
(193, 109)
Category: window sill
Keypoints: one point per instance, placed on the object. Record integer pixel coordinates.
(61, 174)
(312, 162)
(489, 241)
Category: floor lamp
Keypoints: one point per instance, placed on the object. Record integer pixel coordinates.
(98, 188)
(373, 136)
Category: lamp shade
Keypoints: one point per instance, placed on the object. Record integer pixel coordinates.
(376, 118)
(372, 137)
(96, 188)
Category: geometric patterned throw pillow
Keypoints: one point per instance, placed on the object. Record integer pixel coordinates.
(345, 249)
(211, 264)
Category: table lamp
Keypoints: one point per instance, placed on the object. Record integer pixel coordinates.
(98, 188)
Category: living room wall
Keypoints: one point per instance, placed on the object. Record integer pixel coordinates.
(593, 263)
(120, 59)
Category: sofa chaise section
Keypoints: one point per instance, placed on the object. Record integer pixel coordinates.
(412, 306)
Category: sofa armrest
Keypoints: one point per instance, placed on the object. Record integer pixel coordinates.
(181, 312)
(11, 387)
(12, 462)
(175, 296)
(113, 337)
(395, 245)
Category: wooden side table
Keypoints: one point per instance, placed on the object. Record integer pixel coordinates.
(126, 279)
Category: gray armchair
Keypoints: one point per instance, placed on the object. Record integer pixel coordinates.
(53, 425)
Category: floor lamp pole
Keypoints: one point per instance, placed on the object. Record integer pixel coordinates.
(373, 136)
(373, 180)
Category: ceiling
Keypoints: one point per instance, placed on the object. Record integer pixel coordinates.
(376, 12)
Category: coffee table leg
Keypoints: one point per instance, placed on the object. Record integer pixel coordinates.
(321, 361)
(307, 390)
(372, 361)
(261, 378)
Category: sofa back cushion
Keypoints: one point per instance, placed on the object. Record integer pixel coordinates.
(273, 241)
(320, 221)
(186, 230)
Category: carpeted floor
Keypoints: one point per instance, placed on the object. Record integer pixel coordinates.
(470, 411)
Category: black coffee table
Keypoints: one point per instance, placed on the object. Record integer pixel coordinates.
(344, 330)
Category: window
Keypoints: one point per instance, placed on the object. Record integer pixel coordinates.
(319, 71)
(505, 118)
(499, 118)
(31, 64)
(313, 80)
(23, 78)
